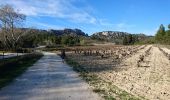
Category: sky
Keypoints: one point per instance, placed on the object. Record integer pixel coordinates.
(133, 16)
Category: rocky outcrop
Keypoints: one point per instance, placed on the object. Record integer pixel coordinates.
(68, 32)
(116, 36)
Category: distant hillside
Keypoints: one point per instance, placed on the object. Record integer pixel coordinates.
(72, 32)
(68, 32)
(118, 37)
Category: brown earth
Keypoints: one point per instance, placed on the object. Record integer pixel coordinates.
(148, 78)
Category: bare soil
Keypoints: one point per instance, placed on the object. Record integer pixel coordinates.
(147, 77)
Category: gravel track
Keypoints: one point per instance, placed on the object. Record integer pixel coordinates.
(48, 79)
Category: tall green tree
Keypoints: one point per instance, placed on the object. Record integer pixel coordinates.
(125, 40)
(167, 35)
(169, 26)
(160, 35)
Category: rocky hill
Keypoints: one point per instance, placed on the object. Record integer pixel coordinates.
(117, 37)
(68, 32)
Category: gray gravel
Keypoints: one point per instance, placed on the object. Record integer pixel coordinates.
(9, 55)
(48, 79)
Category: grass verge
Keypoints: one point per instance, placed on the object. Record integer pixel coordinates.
(106, 89)
(13, 67)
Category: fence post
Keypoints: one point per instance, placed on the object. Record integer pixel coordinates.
(3, 55)
(17, 52)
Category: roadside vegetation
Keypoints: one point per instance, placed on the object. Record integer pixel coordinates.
(13, 67)
(162, 35)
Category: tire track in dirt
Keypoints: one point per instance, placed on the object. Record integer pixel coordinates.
(159, 78)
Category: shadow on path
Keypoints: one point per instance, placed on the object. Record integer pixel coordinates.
(48, 79)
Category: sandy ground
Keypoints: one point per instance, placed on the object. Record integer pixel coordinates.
(48, 79)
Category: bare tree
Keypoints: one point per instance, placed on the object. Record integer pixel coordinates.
(10, 21)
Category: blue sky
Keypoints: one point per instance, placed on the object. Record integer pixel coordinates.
(134, 16)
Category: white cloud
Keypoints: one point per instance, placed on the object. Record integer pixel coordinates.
(48, 26)
(64, 9)
(42, 25)
(83, 17)
(119, 26)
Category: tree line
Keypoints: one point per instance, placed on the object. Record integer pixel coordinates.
(13, 36)
(130, 39)
(163, 36)
(36, 38)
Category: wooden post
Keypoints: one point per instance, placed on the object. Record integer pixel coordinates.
(3, 55)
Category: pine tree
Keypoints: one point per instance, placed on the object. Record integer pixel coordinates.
(167, 36)
(160, 34)
(169, 26)
(125, 40)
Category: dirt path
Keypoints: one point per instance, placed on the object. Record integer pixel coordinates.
(48, 79)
